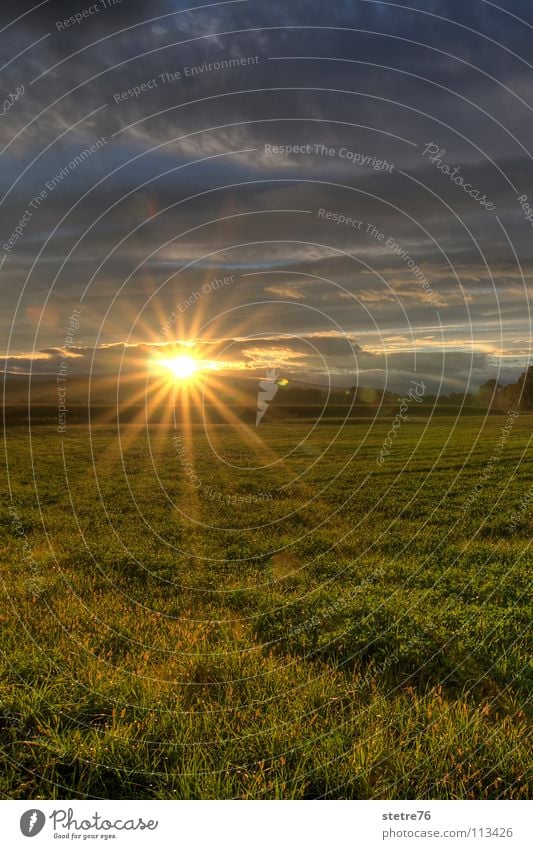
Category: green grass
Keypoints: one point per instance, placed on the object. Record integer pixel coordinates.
(360, 635)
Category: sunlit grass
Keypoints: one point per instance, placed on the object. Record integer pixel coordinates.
(381, 655)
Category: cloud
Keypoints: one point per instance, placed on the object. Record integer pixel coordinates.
(184, 191)
(286, 292)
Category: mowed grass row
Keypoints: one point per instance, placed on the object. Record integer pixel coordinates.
(221, 623)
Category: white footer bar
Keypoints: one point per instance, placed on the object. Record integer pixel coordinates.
(266, 825)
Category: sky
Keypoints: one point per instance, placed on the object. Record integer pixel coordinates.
(338, 191)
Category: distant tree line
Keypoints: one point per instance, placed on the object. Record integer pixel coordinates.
(490, 395)
(519, 395)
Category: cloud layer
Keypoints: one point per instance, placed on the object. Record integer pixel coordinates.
(285, 146)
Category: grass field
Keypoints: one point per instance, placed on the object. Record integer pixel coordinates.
(322, 626)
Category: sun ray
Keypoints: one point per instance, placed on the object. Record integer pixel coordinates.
(175, 385)
(250, 434)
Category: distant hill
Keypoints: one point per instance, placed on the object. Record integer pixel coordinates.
(100, 397)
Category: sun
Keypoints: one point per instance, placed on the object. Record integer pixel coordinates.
(182, 367)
